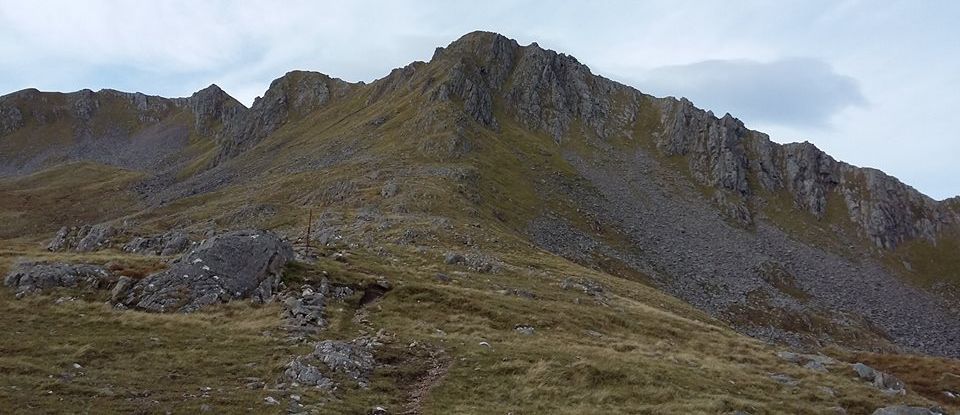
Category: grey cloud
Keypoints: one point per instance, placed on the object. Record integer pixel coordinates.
(798, 92)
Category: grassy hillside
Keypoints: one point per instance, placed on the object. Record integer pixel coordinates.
(629, 349)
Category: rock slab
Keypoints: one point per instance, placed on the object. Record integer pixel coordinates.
(230, 266)
(33, 277)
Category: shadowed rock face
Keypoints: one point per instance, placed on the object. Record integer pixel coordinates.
(231, 266)
(547, 91)
(291, 96)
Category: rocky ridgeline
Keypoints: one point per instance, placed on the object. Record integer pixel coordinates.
(291, 96)
(724, 154)
(547, 91)
(541, 89)
(31, 106)
(134, 130)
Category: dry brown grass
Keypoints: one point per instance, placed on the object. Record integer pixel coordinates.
(927, 376)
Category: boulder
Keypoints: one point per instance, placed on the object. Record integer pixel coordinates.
(121, 289)
(452, 258)
(352, 359)
(59, 241)
(170, 243)
(95, 237)
(306, 374)
(84, 239)
(304, 313)
(884, 381)
(31, 277)
(234, 265)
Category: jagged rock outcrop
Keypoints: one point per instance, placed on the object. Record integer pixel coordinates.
(86, 238)
(11, 118)
(291, 96)
(213, 110)
(33, 277)
(170, 243)
(550, 92)
(230, 266)
(714, 147)
(542, 89)
(128, 130)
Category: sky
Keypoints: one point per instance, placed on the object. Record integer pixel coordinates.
(873, 83)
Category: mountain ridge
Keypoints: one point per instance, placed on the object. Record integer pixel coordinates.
(450, 126)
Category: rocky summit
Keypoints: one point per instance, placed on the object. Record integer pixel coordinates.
(497, 230)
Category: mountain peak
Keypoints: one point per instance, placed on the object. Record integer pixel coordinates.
(545, 90)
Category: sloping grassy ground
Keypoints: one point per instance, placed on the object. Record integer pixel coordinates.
(636, 351)
(68, 195)
(83, 357)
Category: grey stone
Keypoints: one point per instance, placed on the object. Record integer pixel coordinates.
(95, 237)
(390, 190)
(299, 372)
(121, 289)
(353, 359)
(170, 243)
(883, 381)
(84, 239)
(230, 266)
(451, 258)
(59, 241)
(816, 366)
(524, 329)
(303, 313)
(32, 277)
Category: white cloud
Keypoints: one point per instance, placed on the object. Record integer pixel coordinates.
(791, 92)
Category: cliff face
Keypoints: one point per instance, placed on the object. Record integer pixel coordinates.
(541, 89)
(550, 92)
(288, 98)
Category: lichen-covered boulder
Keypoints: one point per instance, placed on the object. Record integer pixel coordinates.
(32, 277)
(86, 238)
(170, 243)
(230, 266)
